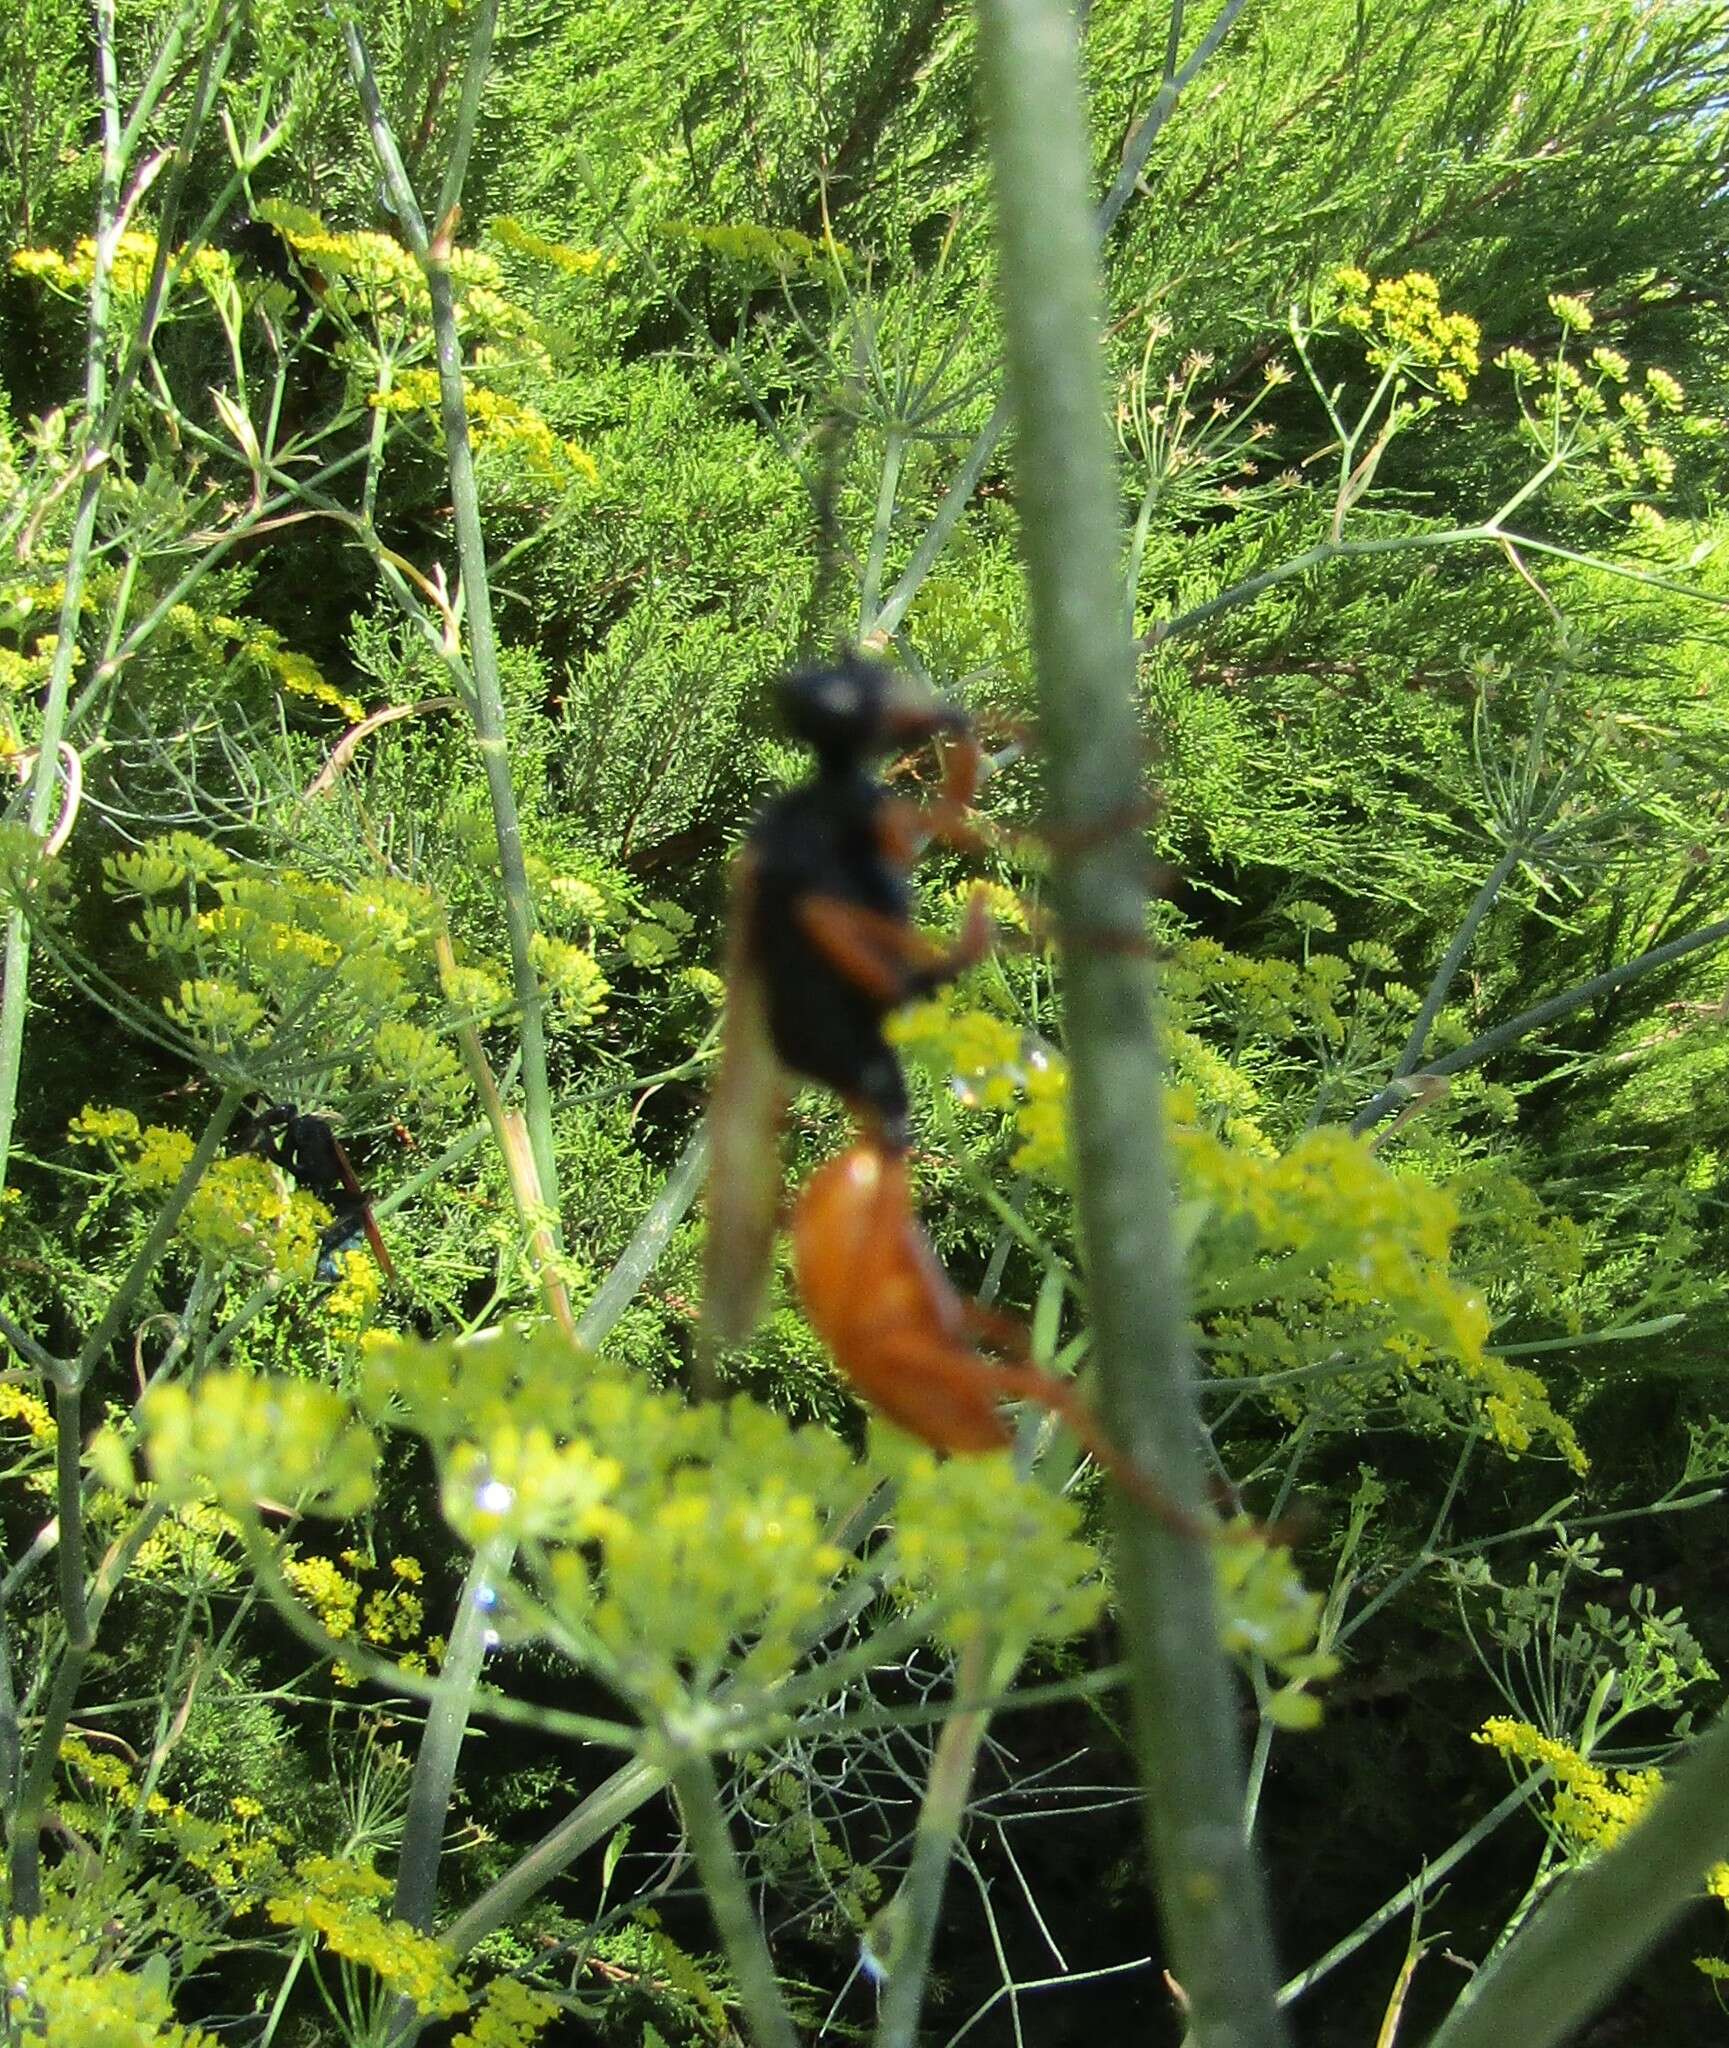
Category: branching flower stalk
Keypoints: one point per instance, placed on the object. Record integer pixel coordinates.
(25, 1821)
(104, 404)
(640, 1780)
(432, 246)
(81, 1608)
(1595, 1925)
(1185, 1706)
(459, 1682)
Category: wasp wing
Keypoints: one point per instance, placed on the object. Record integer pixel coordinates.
(744, 1115)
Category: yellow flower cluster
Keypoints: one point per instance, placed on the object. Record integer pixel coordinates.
(1329, 1225)
(241, 1437)
(215, 1013)
(782, 251)
(134, 260)
(172, 860)
(1032, 1579)
(301, 677)
(30, 1412)
(338, 1901)
(679, 1542)
(58, 1990)
(1622, 438)
(559, 255)
(352, 963)
(507, 2015)
(1323, 1237)
(497, 424)
(195, 1547)
(331, 1594)
(240, 1858)
(571, 976)
(415, 1061)
(981, 1053)
(391, 1617)
(20, 674)
(351, 1304)
(242, 1212)
(1591, 1808)
(366, 273)
(1042, 1121)
(1407, 330)
(1268, 1612)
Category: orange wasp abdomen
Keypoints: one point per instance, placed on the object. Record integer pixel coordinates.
(894, 1324)
(907, 1339)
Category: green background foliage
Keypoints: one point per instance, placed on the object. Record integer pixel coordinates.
(1416, 345)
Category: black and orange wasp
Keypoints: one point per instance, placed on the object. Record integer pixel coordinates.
(822, 948)
(308, 1150)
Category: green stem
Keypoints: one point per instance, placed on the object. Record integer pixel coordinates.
(279, 2005)
(1481, 905)
(487, 707)
(1527, 1021)
(1184, 1700)
(735, 1918)
(69, 1497)
(104, 403)
(611, 1802)
(1411, 1894)
(45, 776)
(918, 1908)
(24, 1824)
(643, 1253)
(441, 1745)
(888, 486)
(435, 1761)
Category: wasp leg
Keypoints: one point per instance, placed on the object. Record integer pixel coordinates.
(1002, 1333)
(905, 827)
(886, 960)
(368, 1222)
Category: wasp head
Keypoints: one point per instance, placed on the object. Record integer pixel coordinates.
(856, 709)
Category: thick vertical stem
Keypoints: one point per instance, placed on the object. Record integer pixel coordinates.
(441, 1745)
(1185, 1707)
(729, 1901)
(435, 1762)
(489, 727)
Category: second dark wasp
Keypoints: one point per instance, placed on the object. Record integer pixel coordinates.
(822, 949)
(308, 1150)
